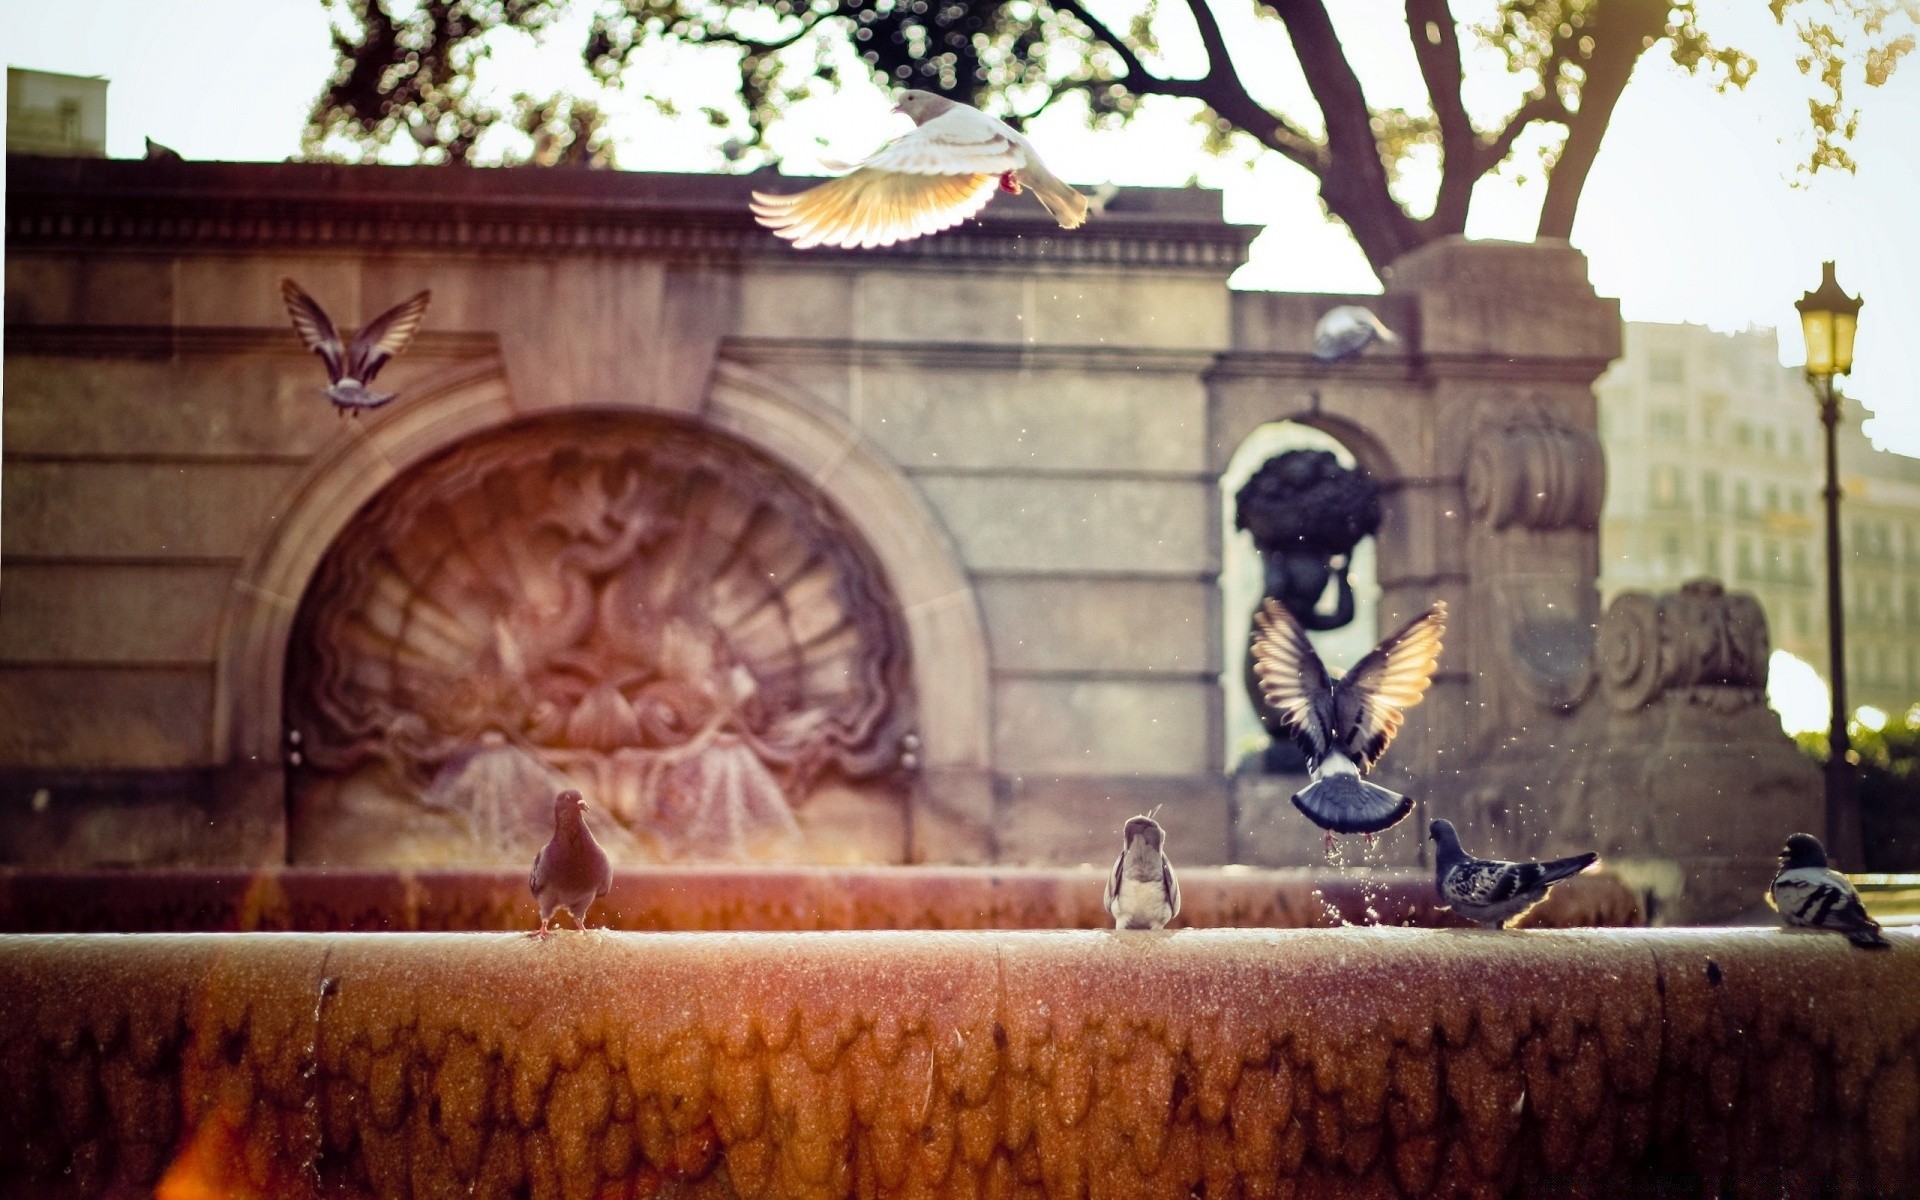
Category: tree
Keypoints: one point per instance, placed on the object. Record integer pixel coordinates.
(1570, 61)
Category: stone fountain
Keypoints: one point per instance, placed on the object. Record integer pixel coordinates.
(865, 596)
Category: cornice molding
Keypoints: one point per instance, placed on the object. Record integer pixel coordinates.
(112, 205)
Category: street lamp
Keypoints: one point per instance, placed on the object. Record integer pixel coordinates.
(1828, 318)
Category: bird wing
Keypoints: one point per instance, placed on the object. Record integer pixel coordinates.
(1369, 700)
(537, 878)
(1172, 884)
(385, 336)
(1293, 681)
(315, 329)
(1819, 897)
(1481, 882)
(1113, 883)
(930, 178)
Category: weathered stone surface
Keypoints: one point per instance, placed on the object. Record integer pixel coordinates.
(1078, 818)
(1367, 1061)
(1095, 417)
(86, 718)
(1015, 522)
(1127, 625)
(143, 510)
(86, 613)
(1104, 727)
(236, 899)
(144, 818)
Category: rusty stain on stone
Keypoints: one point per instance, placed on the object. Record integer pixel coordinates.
(1366, 1061)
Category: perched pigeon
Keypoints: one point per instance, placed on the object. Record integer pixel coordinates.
(1142, 892)
(1343, 726)
(351, 369)
(1492, 892)
(931, 178)
(571, 871)
(159, 153)
(1345, 331)
(1812, 895)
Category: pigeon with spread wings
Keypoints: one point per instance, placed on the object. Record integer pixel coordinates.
(1344, 725)
(351, 368)
(930, 178)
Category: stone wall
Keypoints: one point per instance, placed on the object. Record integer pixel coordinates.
(1023, 429)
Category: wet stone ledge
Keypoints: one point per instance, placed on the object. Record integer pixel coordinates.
(1349, 1062)
(731, 898)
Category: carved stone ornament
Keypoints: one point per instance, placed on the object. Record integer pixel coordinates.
(1547, 629)
(1701, 642)
(1534, 473)
(667, 620)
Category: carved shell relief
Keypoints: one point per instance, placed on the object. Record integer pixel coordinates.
(656, 615)
(1532, 472)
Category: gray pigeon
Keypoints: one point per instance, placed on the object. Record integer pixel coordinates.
(1343, 726)
(351, 369)
(1143, 892)
(159, 153)
(571, 871)
(1347, 330)
(1487, 890)
(1811, 895)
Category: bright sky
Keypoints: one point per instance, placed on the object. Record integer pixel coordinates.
(1692, 213)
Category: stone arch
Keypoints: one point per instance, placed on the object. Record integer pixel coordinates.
(1240, 583)
(945, 635)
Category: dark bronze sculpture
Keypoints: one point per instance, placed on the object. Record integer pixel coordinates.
(1306, 513)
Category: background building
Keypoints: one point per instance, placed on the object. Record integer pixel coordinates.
(56, 114)
(1714, 468)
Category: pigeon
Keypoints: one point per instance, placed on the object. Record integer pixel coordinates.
(571, 871)
(159, 153)
(1489, 891)
(1142, 892)
(1343, 726)
(933, 177)
(1345, 331)
(1811, 895)
(351, 369)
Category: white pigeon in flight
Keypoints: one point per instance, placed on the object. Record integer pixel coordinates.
(1346, 331)
(933, 177)
(1344, 724)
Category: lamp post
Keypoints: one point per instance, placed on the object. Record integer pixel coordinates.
(1828, 318)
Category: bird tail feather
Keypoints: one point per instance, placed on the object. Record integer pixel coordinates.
(1066, 205)
(1349, 804)
(1562, 868)
(1869, 937)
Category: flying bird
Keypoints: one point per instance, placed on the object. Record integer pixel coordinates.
(350, 369)
(571, 871)
(1811, 895)
(1347, 330)
(930, 178)
(1487, 890)
(1142, 892)
(1344, 725)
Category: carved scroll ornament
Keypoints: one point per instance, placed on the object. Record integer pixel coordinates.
(661, 616)
(1533, 473)
(1700, 642)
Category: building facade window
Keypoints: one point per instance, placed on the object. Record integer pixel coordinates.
(1668, 424)
(1665, 487)
(1666, 366)
(1710, 492)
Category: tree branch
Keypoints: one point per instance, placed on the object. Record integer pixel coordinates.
(1354, 183)
(1219, 89)
(1436, 47)
(1623, 32)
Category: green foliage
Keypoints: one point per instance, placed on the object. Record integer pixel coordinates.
(1889, 784)
(411, 76)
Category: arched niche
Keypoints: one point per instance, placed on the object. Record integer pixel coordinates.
(1241, 573)
(800, 434)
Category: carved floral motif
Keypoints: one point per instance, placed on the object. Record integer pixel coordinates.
(663, 617)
